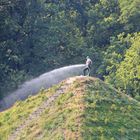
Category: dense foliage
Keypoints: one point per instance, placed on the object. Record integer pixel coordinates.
(40, 35)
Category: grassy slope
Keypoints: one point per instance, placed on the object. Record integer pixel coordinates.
(110, 114)
(89, 109)
(14, 116)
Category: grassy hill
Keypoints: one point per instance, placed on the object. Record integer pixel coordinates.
(82, 108)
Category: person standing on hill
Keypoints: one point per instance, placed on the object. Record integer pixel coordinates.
(88, 66)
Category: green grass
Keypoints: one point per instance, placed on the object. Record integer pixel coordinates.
(59, 121)
(110, 115)
(88, 110)
(14, 116)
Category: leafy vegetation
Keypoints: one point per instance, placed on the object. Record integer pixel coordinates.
(88, 109)
(109, 114)
(123, 70)
(129, 70)
(38, 36)
(10, 119)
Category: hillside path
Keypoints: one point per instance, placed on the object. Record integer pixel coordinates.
(37, 113)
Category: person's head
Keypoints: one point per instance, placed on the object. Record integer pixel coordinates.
(87, 57)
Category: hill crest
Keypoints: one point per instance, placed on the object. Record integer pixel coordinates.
(78, 108)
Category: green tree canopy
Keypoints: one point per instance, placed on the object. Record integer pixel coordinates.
(128, 73)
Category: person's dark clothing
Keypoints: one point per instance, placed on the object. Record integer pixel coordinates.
(88, 67)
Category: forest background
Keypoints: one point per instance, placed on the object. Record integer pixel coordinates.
(40, 35)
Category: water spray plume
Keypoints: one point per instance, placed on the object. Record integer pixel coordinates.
(45, 81)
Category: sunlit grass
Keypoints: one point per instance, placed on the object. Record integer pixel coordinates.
(89, 109)
(110, 115)
(14, 116)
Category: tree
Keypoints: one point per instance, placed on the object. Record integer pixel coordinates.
(130, 15)
(128, 73)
